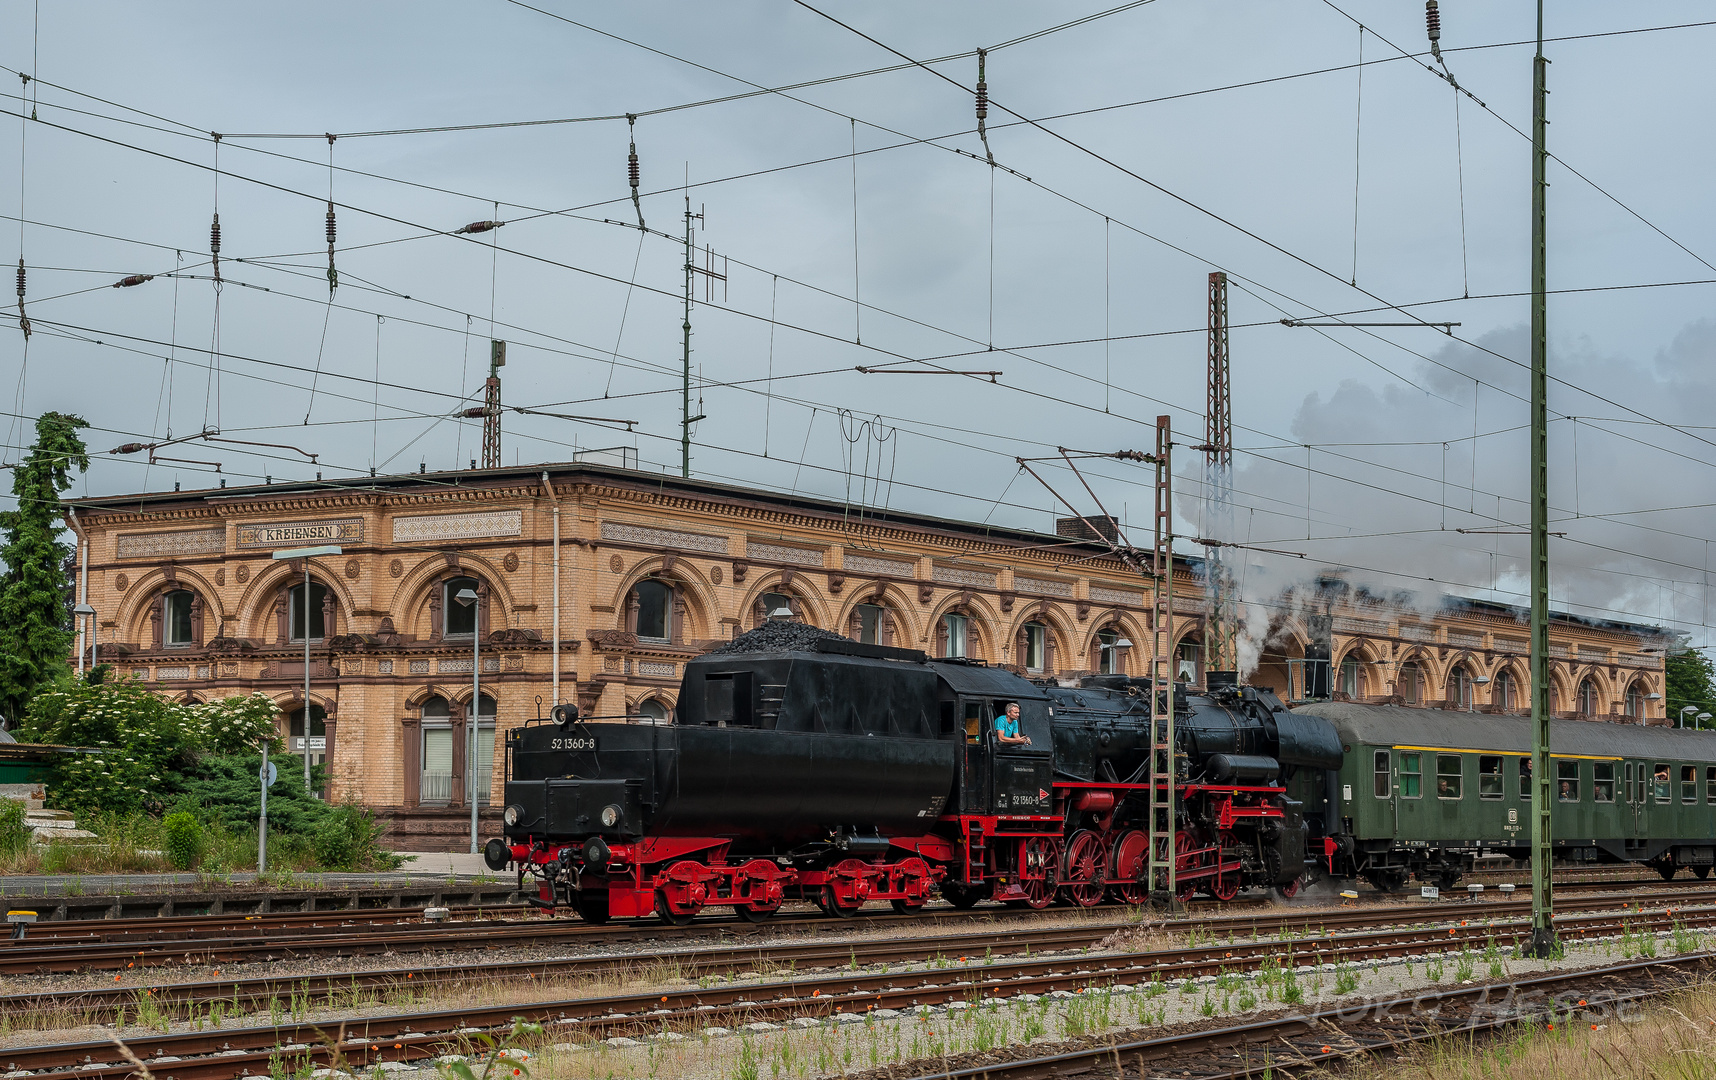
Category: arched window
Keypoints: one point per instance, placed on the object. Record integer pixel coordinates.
(1034, 647)
(649, 610)
(296, 613)
(459, 618)
(1460, 686)
(1188, 660)
(318, 732)
(1350, 680)
(1506, 694)
(1587, 697)
(955, 634)
(177, 630)
(655, 712)
(436, 784)
(871, 624)
(440, 751)
(1635, 702)
(1110, 658)
(1407, 685)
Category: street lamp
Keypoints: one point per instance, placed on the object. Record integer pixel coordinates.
(1684, 713)
(468, 597)
(307, 553)
(1703, 718)
(84, 612)
(1472, 698)
(782, 612)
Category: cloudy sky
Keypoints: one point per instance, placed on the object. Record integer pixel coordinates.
(858, 224)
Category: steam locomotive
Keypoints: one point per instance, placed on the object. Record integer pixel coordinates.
(843, 773)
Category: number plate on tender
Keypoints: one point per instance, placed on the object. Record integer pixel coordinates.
(585, 743)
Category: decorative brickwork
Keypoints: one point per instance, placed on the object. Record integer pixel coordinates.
(441, 528)
(166, 545)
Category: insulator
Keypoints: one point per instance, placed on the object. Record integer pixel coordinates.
(1433, 20)
(134, 279)
(632, 167)
(478, 227)
(330, 223)
(128, 448)
(214, 236)
(20, 279)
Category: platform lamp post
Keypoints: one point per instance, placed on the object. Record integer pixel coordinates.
(468, 597)
(1472, 696)
(1680, 721)
(1702, 718)
(86, 613)
(307, 553)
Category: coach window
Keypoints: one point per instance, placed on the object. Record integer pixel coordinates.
(1659, 782)
(654, 608)
(1710, 784)
(1490, 782)
(295, 611)
(1603, 782)
(1382, 778)
(1689, 783)
(1447, 776)
(1567, 781)
(1525, 778)
(461, 618)
(1411, 776)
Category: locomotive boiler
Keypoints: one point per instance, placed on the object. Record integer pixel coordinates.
(844, 773)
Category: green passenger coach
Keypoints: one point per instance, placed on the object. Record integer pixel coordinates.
(1428, 793)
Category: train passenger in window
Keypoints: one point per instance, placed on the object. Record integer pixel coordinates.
(1007, 726)
(1568, 774)
(1603, 786)
(1659, 782)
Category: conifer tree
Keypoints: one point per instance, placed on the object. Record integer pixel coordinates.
(35, 619)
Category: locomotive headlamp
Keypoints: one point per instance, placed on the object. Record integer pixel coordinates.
(512, 814)
(610, 816)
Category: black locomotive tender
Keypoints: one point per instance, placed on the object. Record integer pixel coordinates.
(843, 773)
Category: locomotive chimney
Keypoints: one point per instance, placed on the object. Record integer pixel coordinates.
(1217, 682)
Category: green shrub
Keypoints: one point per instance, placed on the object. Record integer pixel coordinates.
(182, 838)
(14, 834)
(345, 839)
(225, 788)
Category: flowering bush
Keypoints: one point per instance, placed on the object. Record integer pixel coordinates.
(141, 743)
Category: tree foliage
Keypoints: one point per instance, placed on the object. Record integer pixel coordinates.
(35, 620)
(148, 747)
(1691, 678)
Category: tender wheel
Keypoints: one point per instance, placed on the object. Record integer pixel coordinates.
(1083, 870)
(591, 906)
(906, 907)
(1700, 872)
(1129, 863)
(665, 911)
(756, 914)
(1667, 870)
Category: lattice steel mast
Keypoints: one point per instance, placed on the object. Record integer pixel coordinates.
(1164, 820)
(1221, 626)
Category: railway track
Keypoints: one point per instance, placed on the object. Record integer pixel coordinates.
(70, 953)
(1328, 1038)
(233, 1051)
(238, 995)
(960, 979)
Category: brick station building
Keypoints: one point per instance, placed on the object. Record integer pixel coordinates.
(653, 570)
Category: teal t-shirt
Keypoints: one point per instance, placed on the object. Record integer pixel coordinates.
(1006, 725)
